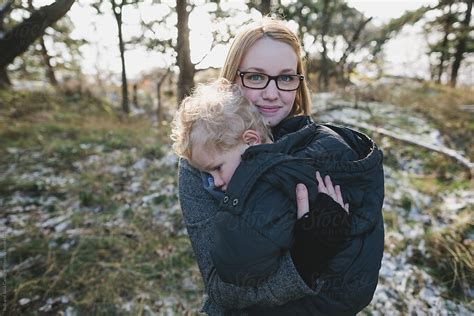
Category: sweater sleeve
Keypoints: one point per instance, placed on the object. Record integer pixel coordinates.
(199, 209)
(319, 235)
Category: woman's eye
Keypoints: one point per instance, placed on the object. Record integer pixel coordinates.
(285, 78)
(255, 77)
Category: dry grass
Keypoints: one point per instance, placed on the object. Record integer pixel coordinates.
(449, 256)
(450, 109)
(112, 258)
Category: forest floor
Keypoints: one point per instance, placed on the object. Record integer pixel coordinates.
(92, 223)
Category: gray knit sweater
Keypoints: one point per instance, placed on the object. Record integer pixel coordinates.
(199, 209)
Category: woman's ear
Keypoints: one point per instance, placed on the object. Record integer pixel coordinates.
(251, 137)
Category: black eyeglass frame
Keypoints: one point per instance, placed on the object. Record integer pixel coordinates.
(270, 78)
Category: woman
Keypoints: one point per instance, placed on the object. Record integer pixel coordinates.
(270, 52)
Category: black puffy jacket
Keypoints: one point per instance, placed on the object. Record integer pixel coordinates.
(258, 214)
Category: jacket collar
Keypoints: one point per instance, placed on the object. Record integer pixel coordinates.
(290, 125)
(286, 144)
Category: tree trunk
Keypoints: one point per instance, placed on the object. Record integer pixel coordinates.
(44, 54)
(265, 6)
(17, 40)
(323, 78)
(4, 80)
(118, 18)
(135, 95)
(351, 46)
(461, 47)
(186, 67)
(4, 10)
(159, 110)
(442, 58)
(47, 60)
(444, 44)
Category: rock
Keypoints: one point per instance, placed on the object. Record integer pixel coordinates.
(54, 222)
(168, 160)
(70, 311)
(140, 165)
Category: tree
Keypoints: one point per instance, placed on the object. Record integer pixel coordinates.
(117, 9)
(159, 105)
(452, 23)
(325, 27)
(45, 55)
(186, 67)
(159, 37)
(264, 6)
(53, 56)
(462, 42)
(443, 48)
(17, 40)
(4, 10)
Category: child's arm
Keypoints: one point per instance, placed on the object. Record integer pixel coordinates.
(249, 245)
(199, 209)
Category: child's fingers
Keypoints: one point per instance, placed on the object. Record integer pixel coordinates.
(302, 200)
(321, 186)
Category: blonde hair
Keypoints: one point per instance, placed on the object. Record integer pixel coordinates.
(275, 29)
(217, 115)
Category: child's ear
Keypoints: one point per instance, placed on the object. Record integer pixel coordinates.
(251, 137)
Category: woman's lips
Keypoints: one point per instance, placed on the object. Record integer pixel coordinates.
(268, 109)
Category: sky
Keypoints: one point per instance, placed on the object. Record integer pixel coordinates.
(384, 10)
(101, 55)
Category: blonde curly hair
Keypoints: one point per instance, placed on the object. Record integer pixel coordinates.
(216, 114)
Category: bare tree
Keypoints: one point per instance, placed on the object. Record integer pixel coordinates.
(117, 8)
(186, 67)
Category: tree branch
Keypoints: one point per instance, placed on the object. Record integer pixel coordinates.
(5, 8)
(17, 40)
(351, 44)
(409, 139)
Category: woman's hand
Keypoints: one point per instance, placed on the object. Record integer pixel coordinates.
(302, 200)
(326, 186)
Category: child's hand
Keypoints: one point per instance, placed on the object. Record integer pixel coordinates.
(327, 187)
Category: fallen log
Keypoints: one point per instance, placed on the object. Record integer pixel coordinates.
(409, 139)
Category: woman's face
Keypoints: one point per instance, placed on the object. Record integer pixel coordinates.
(273, 58)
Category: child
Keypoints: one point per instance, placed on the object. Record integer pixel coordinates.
(219, 132)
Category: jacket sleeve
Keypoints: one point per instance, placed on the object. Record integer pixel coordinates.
(248, 247)
(199, 209)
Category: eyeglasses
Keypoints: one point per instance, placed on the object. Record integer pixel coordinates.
(259, 81)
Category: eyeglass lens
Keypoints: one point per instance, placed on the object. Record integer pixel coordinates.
(255, 80)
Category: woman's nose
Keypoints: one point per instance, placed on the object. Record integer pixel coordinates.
(271, 91)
